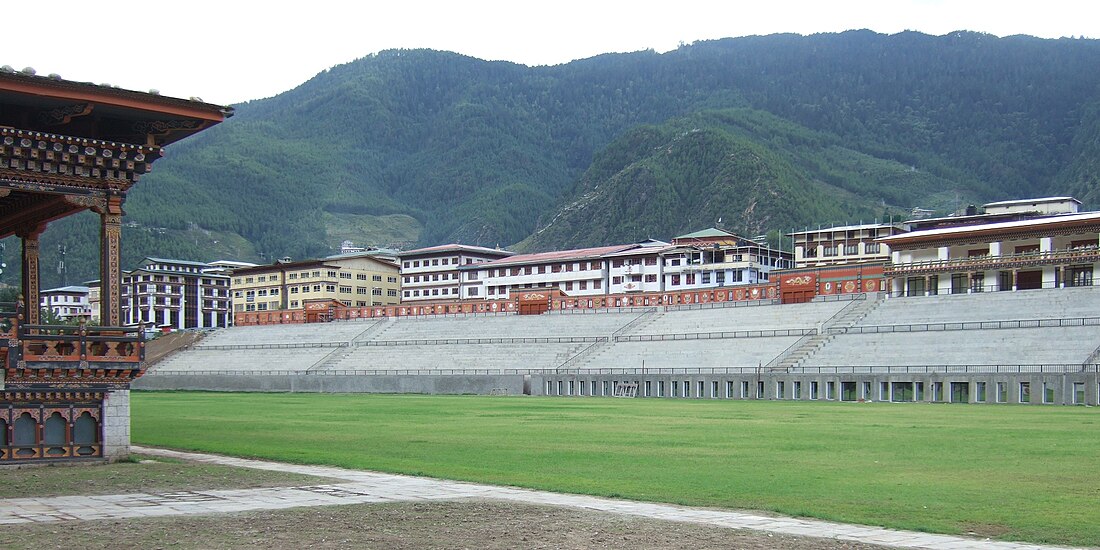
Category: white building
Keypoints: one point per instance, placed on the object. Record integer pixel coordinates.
(578, 272)
(68, 303)
(177, 294)
(715, 258)
(847, 244)
(432, 274)
(1045, 252)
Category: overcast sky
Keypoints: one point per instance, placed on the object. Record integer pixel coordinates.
(231, 51)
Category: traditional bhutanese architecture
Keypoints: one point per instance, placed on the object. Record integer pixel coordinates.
(285, 288)
(1040, 252)
(175, 294)
(847, 244)
(577, 272)
(432, 274)
(715, 258)
(66, 147)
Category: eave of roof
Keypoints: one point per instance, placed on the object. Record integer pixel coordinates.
(455, 247)
(993, 229)
(557, 256)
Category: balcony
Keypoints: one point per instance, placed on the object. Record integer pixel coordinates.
(988, 263)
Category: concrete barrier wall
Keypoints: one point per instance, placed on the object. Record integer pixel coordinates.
(1047, 388)
(424, 384)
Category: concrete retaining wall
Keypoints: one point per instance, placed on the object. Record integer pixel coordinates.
(424, 384)
(1047, 388)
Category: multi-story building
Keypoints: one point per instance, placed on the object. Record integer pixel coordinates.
(715, 258)
(578, 272)
(176, 294)
(1051, 251)
(354, 280)
(637, 269)
(68, 303)
(848, 244)
(432, 274)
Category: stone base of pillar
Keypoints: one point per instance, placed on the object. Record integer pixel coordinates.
(116, 425)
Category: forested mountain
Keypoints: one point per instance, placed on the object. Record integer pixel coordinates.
(418, 147)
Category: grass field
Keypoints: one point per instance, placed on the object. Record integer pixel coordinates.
(1007, 472)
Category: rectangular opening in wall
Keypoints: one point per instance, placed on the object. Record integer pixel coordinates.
(979, 392)
(1078, 393)
(1002, 392)
(559, 387)
(779, 390)
(848, 391)
(866, 393)
(883, 391)
(687, 388)
(648, 388)
(960, 392)
(1048, 393)
(901, 392)
(570, 388)
(918, 391)
(744, 389)
(1025, 392)
(830, 390)
(549, 388)
(675, 389)
(604, 388)
(729, 389)
(813, 390)
(796, 390)
(714, 389)
(582, 388)
(760, 389)
(937, 391)
(699, 392)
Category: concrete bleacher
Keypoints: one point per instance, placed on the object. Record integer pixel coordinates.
(455, 357)
(550, 325)
(317, 333)
(737, 319)
(1016, 346)
(238, 360)
(709, 353)
(987, 306)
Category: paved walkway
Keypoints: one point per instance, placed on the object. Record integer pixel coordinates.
(356, 487)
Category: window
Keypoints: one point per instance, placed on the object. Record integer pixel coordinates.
(616, 280)
(345, 289)
(1048, 393)
(391, 292)
(376, 291)
(651, 278)
(979, 392)
(828, 250)
(796, 390)
(361, 290)
(1078, 393)
(331, 274)
(851, 249)
(330, 288)
(675, 280)
(1025, 392)
(779, 390)
(583, 285)
(344, 275)
(1002, 393)
(361, 276)
(872, 248)
(744, 389)
(377, 278)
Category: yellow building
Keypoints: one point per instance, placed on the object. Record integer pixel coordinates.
(355, 280)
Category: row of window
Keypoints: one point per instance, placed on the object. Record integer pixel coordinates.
(435, 277)
(899, 392)
(313, 274)
(848, 249)
(439, 261)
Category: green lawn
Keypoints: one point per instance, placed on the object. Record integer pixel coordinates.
(1010, 472)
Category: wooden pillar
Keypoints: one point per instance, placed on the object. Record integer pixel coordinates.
(30, 274)
(110, 274)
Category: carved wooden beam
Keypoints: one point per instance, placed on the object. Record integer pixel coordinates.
(63, 115)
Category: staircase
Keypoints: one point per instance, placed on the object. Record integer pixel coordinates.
(807, 346)
(339, 354)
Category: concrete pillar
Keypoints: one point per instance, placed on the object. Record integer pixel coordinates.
(995, 249)
(116, 425)
(943, 253)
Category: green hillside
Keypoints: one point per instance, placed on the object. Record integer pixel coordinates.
(426, 147)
